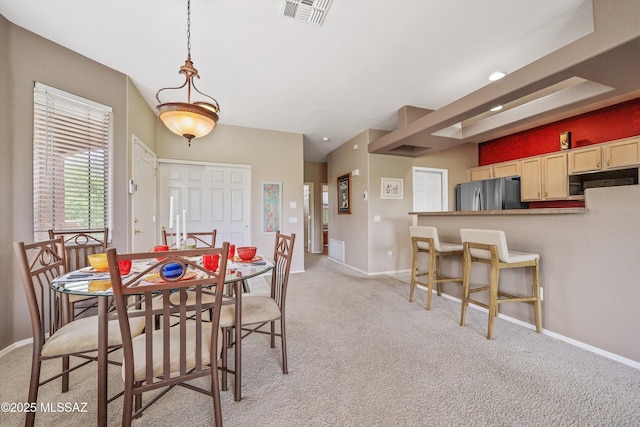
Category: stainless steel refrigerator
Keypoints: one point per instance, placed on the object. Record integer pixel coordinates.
(490, 194)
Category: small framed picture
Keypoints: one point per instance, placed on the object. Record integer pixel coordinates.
(344, 194)
(391, 188)
(565, 140)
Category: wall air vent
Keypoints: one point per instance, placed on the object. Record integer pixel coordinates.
(311, 11)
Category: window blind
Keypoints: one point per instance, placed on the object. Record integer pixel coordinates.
(72, 144)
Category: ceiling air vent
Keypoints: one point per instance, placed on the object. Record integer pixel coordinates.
(311, 11)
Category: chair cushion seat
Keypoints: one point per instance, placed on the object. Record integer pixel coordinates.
(449, 247)
(516, 256)
(255, 309)
(139, 342)
(82, 335)
(441, 247)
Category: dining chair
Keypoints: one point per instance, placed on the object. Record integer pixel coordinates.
(39, 263)
(424, 239)
(78, 244)
(176, 352)
(202, 239)
(260, 310)
(490, 247)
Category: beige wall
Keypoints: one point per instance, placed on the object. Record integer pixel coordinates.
(28, 58)
(9, 285)
(316, 173)
(392, 232)
(351, 229)
(588, 266)
(367, 242)
(388, 234)
(273, 156)
(141, 122)
(457, 160)
(141, 119)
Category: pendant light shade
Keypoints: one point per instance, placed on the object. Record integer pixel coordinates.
(187, 119)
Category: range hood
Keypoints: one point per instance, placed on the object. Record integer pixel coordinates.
(584, 76)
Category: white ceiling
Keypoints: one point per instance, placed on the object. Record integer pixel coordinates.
(369, 58)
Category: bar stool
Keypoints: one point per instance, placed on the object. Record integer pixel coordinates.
(425, 239)
(490, 247)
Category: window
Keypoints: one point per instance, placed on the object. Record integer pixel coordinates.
(72, 143)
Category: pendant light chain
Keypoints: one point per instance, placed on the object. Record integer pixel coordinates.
(190, 120)
(189, 29)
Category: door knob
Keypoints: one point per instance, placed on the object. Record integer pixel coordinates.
(136, 231)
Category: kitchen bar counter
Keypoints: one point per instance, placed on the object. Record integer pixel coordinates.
(545, 211)
(589, 265)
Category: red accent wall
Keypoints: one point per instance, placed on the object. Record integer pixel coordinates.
(607, 124)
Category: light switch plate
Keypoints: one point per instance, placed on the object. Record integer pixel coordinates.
(292, 205)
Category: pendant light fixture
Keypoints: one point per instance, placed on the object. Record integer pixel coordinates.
(191, 120)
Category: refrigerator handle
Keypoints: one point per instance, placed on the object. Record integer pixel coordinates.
(477, 200)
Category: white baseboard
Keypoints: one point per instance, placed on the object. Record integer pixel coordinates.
(8, 349)
(348, 266)
(381, 273)
(568, 340)
(390, 272)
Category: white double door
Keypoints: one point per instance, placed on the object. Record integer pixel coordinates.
(215, 196)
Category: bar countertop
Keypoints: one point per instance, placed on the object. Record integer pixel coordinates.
(545, 211)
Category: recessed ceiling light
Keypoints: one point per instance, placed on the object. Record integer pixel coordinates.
(497, 108)
(325, 138)
(496, 76)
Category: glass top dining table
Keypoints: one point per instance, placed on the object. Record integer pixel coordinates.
(83, 282)
(79, 282)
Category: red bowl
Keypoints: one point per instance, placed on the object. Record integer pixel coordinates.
(246, 252)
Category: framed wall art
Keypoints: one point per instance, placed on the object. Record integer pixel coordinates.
(391, 188)
(271, 206)
(565, 140)
(344, 194)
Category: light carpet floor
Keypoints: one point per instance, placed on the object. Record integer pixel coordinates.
(361, 355)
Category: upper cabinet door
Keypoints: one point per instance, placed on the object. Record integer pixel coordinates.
(506, 169)
(585, 160)
(483, 172)
(531, 180)
(556, 182)
(622, 154)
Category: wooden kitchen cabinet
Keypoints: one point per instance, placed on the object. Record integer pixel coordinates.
(498, 170)
(544, 178)
(531, 179)
(613, 155)
(585, 160)
(555, 179)
(482, 172)
(622, 154)
(501, 170)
